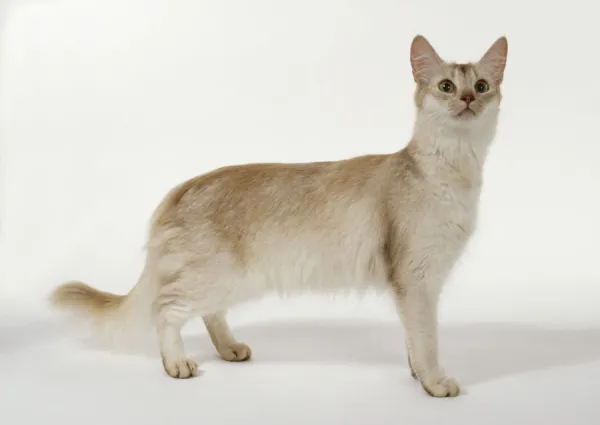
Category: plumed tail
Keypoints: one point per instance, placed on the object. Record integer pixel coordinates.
(116, 321)
(78, 296)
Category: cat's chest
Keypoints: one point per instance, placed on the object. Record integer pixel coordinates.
(449, 212)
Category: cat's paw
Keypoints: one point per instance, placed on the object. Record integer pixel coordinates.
(236, 352)
(181, 369)
(444, 387)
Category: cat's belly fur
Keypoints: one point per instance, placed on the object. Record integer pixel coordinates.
(343, 257)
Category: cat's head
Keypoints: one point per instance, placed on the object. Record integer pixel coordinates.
(458, 94)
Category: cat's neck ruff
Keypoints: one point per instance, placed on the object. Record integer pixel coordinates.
(446, 145)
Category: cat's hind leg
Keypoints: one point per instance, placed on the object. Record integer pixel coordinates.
(225, 343)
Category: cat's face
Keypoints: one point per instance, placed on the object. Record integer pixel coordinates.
(458, 94)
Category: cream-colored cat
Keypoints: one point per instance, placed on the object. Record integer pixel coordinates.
(395, 222)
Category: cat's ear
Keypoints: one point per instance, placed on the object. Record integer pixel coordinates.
(423, 59)
(494, 60)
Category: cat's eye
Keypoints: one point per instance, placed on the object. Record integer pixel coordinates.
(481, 86)
(446, 86)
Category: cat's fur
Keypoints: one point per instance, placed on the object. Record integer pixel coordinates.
(396, 222)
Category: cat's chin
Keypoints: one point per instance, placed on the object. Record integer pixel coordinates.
(466, 114)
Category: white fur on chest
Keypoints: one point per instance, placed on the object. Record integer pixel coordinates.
(446, 216)
(439, 232)
(449, 211)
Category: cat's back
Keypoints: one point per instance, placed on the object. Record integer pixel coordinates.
(291, 192)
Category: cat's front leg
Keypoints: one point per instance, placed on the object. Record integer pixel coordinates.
(417, 300)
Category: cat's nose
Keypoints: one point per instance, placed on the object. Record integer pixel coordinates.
(467, 98)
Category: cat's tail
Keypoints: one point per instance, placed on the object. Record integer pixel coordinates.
(116, 320)
(79, 296)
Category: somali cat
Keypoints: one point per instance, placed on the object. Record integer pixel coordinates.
(396, 222)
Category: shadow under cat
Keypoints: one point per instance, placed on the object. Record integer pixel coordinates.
(474, 353)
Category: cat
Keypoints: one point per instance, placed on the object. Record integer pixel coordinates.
(395, 222)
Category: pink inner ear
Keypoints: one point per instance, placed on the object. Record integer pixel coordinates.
(424, 59)
(494, 60)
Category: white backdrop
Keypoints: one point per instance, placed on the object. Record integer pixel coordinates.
(105, 105)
